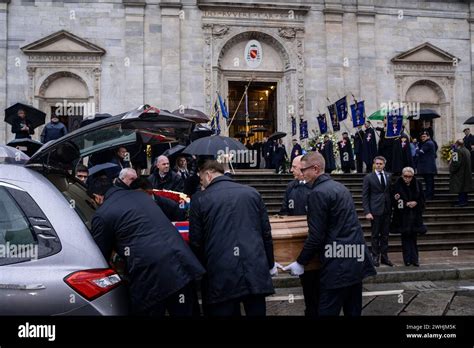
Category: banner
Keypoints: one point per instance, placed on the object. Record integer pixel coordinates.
(224, 111)
(215, 126)
(358, 114)
(341, 109)
(333, 116)
(323, 125)
(394, 123)
(293, 126)
(303, 130)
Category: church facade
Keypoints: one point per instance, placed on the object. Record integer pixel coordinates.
(110, 56)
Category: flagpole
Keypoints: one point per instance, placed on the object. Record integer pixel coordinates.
(240, 102)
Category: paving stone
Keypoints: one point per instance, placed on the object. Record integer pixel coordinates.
(429, 303)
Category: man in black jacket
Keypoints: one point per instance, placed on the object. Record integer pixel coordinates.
(21, 127)
(161, 267)
(358, 148)
(377, 205)
(295, 199)
(294, 203)
(469, 144)
(165, 179)
(230, 232)
(336, 235)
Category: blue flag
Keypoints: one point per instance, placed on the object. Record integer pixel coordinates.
(323, 125)
(333, 116)
(224, 111)
(293, 126)
(303, 130)
(341, 109)
(358, 114)
(394, 123)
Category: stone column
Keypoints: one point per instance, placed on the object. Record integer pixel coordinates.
(3, 65)
(333, 14)
(367, 54)
(471, 29)
(134, 52)
(171, 54)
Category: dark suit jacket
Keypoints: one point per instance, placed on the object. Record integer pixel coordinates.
(375, 200)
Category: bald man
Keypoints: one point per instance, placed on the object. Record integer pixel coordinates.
(165, 179)
(294, 202)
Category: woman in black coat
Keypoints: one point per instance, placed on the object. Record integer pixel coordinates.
(401, 155)
(408, 206)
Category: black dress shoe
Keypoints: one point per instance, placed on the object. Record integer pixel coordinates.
(376, 263)
(387, 262)
(416, 264)
(407, 264)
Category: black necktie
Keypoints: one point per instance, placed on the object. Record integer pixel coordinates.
(382, 180)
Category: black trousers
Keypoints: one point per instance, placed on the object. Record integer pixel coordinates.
(180, 304)
(254, 306)
(310, 283)
(409, 248)
(359, 164)
(348, 298)
(429, 185)
(380, 230)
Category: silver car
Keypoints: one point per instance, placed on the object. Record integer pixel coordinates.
(49, 263)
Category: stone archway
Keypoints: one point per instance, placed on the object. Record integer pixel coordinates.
(286, 49)
(68, 95)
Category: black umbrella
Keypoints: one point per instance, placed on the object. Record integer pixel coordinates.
(259, 129)
(192, 114)
(200, 131)
(424, 114)
(212, 145)
(95, 118)
(34, 116)
(277, 135)
(107, 166)
(470, 120)
(174, 150)
(11, 155)
(28, 146)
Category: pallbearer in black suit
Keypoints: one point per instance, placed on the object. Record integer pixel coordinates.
(376, 202)
(327, 150)
(296, 203)
(346, 154)
(358, 148)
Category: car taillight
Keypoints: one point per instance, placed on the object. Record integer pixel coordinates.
(93, 283)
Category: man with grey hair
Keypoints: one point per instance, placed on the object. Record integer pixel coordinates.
(126, 177)
(165, 179)
(333, 225)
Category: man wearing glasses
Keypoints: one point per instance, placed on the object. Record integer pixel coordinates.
(335, 234)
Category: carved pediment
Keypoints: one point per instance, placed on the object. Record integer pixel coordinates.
(63, 42)
(425, 53)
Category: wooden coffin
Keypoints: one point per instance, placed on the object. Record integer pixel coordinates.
(289, 234)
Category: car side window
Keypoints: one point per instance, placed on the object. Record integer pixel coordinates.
(25, 232)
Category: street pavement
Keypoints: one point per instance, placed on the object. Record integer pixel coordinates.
(437, 298)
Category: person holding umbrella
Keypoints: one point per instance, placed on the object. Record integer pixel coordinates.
(21, 126)
(426, 164)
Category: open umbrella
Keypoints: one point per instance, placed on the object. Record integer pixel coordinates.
(424, 114)
(200, 131)
(212, 145)
(34, 116)
(107, 167)
(11, 155)
(174, 150)
(277, 135)
(378, 115)
(470, 120)
(28, 146)
(258, 129)
(192, 114)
